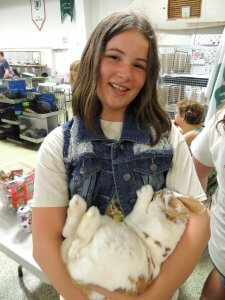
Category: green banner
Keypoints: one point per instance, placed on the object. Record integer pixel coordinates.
(66, 8)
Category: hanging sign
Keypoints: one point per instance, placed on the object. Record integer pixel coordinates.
(66, 8)
(38, 12)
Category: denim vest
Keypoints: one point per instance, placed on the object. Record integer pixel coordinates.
(99, 168)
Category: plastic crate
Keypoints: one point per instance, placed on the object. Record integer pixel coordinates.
(47, 97)
(3, 89)
(17, 191)
(17, 85)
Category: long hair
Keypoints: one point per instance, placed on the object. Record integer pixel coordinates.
(145, 106)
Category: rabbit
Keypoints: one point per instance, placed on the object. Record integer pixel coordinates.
(124, 255)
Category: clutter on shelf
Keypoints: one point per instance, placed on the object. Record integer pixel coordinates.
(16, 186)
(26, 114)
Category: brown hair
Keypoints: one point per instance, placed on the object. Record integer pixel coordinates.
(191, 110)
(74, 67)
(146, 107)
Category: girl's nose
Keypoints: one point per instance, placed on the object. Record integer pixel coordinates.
(124, 72)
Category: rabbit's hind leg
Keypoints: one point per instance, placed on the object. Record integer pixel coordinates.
(85, 231)
(89, 224)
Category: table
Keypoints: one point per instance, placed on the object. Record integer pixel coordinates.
(18, 245)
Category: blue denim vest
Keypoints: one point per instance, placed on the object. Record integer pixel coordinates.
(99, 168)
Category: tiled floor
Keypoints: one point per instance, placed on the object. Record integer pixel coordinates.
(11, 288)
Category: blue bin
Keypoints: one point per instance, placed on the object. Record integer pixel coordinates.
(17, 85)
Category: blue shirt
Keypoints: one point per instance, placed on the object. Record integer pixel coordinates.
(3, 66)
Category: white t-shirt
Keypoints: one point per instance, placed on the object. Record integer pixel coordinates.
(209, 149)
(51, 185)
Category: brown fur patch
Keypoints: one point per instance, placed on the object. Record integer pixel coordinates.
(132, 281)
(167, 250)
(145, 235)
(192, 204)
(158, 243)
(141, 284)
(169, 217)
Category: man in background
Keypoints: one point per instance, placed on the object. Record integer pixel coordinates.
(4, 67)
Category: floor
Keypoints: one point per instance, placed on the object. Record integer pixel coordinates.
(13, 288)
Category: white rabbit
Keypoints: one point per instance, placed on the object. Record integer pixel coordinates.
(124, 255)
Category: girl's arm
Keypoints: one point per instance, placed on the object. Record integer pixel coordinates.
(203, 172)
(47, 224)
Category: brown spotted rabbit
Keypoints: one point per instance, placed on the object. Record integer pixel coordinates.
(124, 255)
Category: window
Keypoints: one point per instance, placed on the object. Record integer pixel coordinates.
(175, 8)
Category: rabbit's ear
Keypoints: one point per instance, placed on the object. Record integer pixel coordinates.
(192, 204)
(176, 210)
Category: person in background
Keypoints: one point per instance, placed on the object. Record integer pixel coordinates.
(208, 151)
(15, 73)
(118, 140)
(189, 117)
(4, 67)
(73, 71)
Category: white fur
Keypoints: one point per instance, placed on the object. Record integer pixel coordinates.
(117, 255)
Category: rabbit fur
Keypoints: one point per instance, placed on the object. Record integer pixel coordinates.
(124, 255)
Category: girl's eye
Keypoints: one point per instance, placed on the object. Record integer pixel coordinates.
(140, 66)
(113, 57)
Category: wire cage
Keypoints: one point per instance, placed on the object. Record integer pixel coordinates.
(170, 94)
(185, 70)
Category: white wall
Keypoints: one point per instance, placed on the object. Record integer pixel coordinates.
(21, 33)
(170, 32)
(212, 14)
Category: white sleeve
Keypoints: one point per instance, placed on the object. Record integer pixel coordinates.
(200, 147)
(50, 184)
(182, 176)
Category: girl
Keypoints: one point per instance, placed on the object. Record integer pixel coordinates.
(118, 140)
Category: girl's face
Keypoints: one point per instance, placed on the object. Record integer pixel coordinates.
(73, 75)
(122, 73)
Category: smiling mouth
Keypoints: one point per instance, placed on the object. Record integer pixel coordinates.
(118, 88)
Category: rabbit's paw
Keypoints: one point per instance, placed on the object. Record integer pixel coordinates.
(89, 224)
(77, 205)
(145, 193)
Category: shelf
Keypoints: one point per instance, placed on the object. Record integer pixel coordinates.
(29, 66)
(189, 47)
(14, 140)
(13, 101)
(29, 139)
(43, 116)
(10, 122)
(183, 79)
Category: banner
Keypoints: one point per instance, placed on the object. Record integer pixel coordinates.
(215, 92)
(38, 12)
(66, 8)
